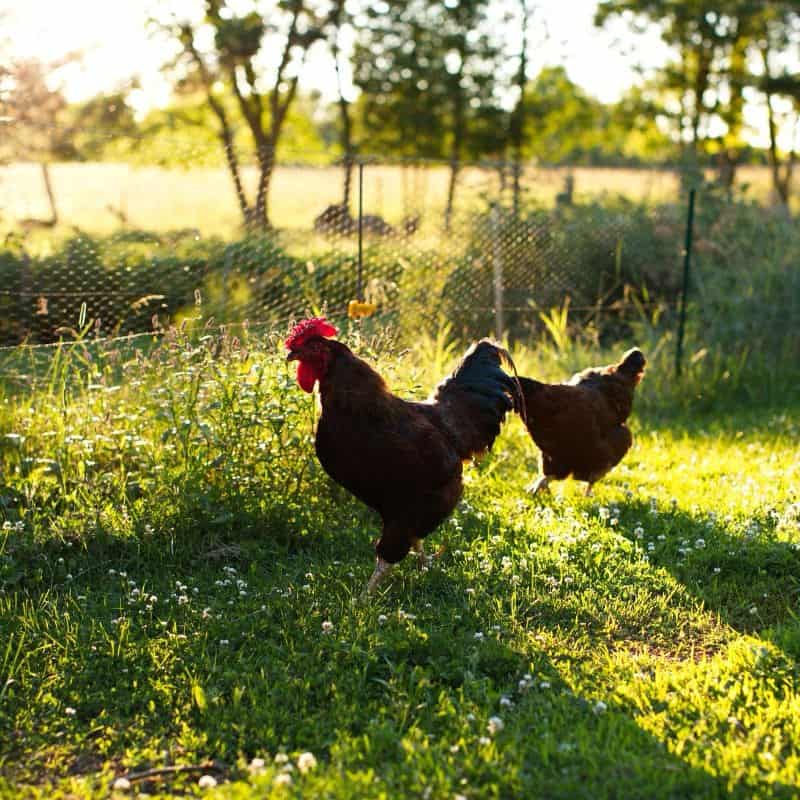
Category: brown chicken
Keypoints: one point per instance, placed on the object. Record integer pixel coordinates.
(580, 425)
(401, 458)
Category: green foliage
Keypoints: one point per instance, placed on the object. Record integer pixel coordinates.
(429, 78)
(179, 583)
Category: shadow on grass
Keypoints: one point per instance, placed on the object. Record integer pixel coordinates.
(232, 660)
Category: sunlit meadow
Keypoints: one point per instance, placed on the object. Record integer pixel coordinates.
(180, 583)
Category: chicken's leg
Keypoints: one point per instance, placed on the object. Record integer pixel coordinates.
(381, 568)
(423, 560)
(588, 492)
(542, 485)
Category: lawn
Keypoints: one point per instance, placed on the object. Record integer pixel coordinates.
(180, 587)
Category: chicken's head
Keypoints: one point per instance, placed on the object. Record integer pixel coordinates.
(306, 345)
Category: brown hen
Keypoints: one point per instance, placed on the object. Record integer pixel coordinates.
(580, 425)
(401, 458)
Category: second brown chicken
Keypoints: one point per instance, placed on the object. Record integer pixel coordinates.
(580, 425)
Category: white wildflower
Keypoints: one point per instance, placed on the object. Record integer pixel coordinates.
(600, 707)
(121, 785)
(327, 626)
(495, 725)
(306, 762)
(207, 782)
(256, 766)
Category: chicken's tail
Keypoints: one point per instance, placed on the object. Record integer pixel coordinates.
(475, 399)
(632, 365)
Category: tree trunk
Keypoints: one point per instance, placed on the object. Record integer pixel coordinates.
(455, 150)
(48, 187)
(346, 140)
(781, 178)
(518, 117)
(451, 193)
(259, 218)
(233, 167)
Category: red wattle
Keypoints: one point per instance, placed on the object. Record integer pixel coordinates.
(306, 376)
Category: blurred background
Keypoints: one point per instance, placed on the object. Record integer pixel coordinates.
(522, 168)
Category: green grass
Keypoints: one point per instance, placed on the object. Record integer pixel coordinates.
(173, 553)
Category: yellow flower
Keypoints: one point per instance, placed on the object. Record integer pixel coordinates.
(358, 310)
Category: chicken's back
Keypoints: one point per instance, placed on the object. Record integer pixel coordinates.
(577, 428)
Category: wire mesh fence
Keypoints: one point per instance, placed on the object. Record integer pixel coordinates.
(138, 248)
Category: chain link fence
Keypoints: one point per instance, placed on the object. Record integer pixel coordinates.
(134, 249)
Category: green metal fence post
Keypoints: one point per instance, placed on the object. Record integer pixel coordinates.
(359, 285)
(687, 260)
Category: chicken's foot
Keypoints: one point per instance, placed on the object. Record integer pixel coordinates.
(381, 568)
(423, 559)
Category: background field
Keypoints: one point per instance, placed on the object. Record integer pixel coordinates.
(92, 196)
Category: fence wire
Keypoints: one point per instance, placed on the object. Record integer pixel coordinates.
(137, 249)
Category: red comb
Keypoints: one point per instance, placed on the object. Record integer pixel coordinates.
(307, 329)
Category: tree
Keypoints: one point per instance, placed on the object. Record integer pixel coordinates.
(708, 78)
(779, 37)
(339, 19)
(227, 50)
(431, 77)
(34, 113)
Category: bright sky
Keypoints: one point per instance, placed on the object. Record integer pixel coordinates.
(116, 43)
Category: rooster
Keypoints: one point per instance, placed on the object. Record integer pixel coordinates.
(580, 425)
(402, 458)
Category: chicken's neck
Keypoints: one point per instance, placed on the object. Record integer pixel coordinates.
(351, 384)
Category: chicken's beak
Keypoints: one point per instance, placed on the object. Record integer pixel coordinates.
(293, 356)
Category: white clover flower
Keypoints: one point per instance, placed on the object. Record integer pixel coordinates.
(306, 762)
(600, 707)
(224, 642)
(495, 725)
(484, 740)
(382, 618)
(638, 532)
(700, 544)
(478, 635)
(284, 779)
(121, 785)
(281, 758)
(69, 711)
(256, 766)
(506, 701)
(544, 685)
(754, 610)
(717, 570)
(327, 626)
(602, 512)
(515, 580)
(207, 782)
(470, 590)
